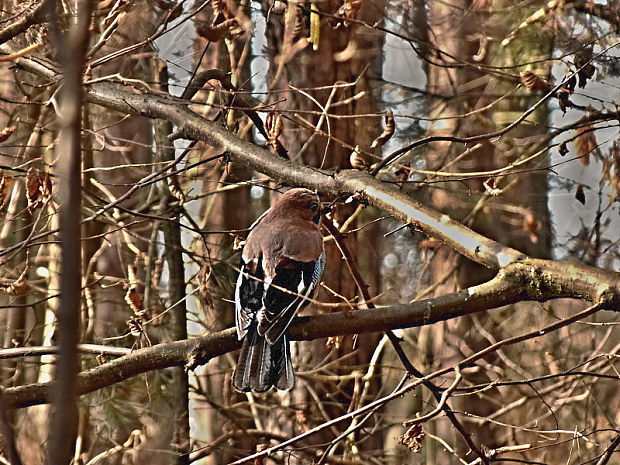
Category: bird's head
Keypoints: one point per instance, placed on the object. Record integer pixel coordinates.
(303, 202)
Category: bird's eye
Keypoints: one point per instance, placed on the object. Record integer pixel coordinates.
(314, 206)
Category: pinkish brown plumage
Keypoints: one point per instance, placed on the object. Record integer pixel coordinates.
(284, 252)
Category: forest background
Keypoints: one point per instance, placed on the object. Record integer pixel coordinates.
(468, 157)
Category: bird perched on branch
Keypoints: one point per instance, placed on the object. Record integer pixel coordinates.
(281, 265)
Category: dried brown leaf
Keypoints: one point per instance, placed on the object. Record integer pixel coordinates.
(5, 183)
(534, 82)
(563, 96)
(402, 174)
(390, 127)
(570, 84)
(274, 128)
(357, 160)
(532, 226)
(7, 132)
(38, 188)
(214, 32)
(586, 143)
(174, 186)
(17, 288)
(611, 170)
(413, 438)
(134, 300)
(347, 11)
(580, 194)
(582, 60)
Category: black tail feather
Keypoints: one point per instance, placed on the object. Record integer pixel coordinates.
(262, 365)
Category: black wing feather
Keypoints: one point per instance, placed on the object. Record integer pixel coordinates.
(301, 280)
(263, 312)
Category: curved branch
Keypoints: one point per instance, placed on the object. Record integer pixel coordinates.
(528, 280)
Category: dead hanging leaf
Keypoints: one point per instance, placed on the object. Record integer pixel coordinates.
(390, 127)
(611, 170)
(38, 188)
(564, 100)
(157, 271)
(357, 160)
(17, 288)
(222, 23)
(586, 143)
(347, 11)
(204, 274)
(532, 226)
(563, 148)
(174, 185)
(570, 84)
(7, 132)
(582, 60)
(585, 73)
(5, 183)
(534, 82)
(413, 438)
(134, 300)
(223, 14)
(402, 174)
(273, 128)
(214, 32)
(580, 194)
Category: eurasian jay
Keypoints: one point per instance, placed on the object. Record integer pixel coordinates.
(281, 265)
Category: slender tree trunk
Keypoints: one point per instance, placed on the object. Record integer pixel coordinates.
(230, 210)
(463, 89)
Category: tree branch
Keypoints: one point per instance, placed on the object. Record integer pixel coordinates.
(519, 277)
(29, 16)
(517, 282)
